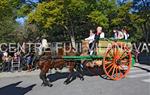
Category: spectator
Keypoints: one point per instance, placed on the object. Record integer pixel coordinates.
(6, 61)
(29, 58)
(16, 56)
(1, 62)
(1, 54)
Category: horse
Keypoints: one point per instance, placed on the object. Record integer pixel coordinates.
(47, 61)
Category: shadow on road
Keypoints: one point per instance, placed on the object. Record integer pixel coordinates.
(146, 63)
(58, 75)
(86, 72)
(142, 68)
(62, 75)
(12, 89)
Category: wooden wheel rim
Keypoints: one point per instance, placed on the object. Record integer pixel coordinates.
(113, 69)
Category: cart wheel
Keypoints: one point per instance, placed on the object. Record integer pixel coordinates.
(117, 61)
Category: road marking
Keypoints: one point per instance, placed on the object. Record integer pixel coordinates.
(134, 68)
(136, 71)
(138, 75)
(142, 66)
(146, 80)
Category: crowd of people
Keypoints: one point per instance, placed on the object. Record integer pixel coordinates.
(9, 58)
(25, 57)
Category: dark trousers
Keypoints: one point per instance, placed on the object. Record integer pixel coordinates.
(7, 66)
(91, 46)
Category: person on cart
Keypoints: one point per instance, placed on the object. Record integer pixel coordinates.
(94, 38)
(125, 33)
(99, 35)
(118, 34)
(91, 40)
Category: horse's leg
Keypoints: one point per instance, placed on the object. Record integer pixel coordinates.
(43, 76)
(71, 70)
(44, 79)
(80, 71)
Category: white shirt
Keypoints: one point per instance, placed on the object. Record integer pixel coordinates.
(40, 50)
(102, 35)
(126, 35)
(44, 43)
(5, 54)
(90, 38)
(119, 35)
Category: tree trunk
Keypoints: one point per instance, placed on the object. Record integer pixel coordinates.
(147, 36)
(72, 38)
(73, 43)
(146, 32)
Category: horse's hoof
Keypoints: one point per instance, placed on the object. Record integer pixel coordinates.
(66, 82)
(47, 84)
(82, 79)
(43, 84)
(50, 85)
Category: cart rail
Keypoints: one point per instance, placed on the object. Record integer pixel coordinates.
(93, 57)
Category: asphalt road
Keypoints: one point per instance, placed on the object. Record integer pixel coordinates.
(136, 83)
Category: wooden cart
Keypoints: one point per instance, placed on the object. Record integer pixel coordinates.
(114, 56)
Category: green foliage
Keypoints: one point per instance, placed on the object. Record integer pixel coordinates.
(67, 15)
(99, 18)
(75, 17)
(24, 10)
(122, 15)
(46, 14)
(7, 20)
(61, 19)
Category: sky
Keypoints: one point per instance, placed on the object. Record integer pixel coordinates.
(35, 0)
(22, 19)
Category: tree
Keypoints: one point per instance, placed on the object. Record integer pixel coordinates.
(66, 15)
(142, 9)
(7, 19)
(71, 17)
(102, 14)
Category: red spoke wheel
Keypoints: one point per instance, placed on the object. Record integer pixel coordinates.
(117, 61)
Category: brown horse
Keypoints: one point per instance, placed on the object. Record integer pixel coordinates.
(47, 62)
